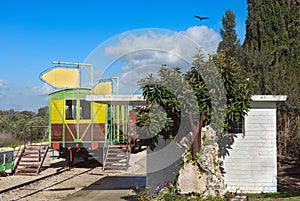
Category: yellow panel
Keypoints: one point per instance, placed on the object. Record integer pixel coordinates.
(70, 121)
(103, 88)
(81, 121)
(85, 121)
(62, 77)
(57, 110)
(100, 116)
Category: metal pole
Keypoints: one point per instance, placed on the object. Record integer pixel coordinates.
(92, 75)
(71, 63)
(25, 136)
(117, 84)
(30, 139)
(79, 79)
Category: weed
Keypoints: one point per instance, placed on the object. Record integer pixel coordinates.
(143, 194)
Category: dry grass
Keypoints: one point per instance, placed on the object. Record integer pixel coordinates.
(5, 139)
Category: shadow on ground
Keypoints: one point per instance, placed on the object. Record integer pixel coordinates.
(118, 183)
(111, 188)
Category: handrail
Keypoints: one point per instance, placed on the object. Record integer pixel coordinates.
(22, 133)
(105, 149)
(128, 150)
(25, 139)
(43, 140)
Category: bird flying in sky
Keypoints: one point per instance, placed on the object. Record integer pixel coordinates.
(201, 18)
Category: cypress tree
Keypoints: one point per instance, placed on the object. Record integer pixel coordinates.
(230, 43)
(230, 70)
(271, 50)
(270, 58)
(292, 16)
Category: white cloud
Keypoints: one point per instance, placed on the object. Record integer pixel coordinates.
(3, 89)
(145, 51)
(207, 38)
(18, 97)
(3, 84)
(175, 43)
(129, 78)
(45, 89)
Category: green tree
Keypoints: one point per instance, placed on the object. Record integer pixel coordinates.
(13, 123)
(268, 57)
(36, 128)
(227, 61)
(230, 44)
(238, 92)
(292, 20)
(220, 90)
(43, 112)
(202, 89)
(169, 99)
(271, 56)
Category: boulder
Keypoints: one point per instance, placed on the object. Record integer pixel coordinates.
(191, 180)
(204, 176)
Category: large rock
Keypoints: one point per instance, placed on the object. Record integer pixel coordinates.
(191, 180)
(203, 177)
(209, 134)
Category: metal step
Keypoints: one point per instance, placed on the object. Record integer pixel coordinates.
(117, 157)
(26, 170)
(29, 164)
(30, 159)
(115, 161)
(117, 153)
(114, 167)
(117, 150)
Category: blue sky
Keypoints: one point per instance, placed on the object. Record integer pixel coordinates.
(35, 33)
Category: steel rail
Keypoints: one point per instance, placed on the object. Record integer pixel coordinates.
(58, 172)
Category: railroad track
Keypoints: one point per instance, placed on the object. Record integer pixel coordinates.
(54, 186)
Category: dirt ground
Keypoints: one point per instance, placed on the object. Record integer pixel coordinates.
(288, 178)
(288, 172)
(70, 182)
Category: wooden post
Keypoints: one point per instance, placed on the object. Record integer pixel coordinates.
(195, 138)
(196, 144)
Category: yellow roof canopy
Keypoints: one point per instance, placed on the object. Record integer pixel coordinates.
(61, 77)
(103, 88)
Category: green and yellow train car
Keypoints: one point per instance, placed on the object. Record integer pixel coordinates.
(76, 125)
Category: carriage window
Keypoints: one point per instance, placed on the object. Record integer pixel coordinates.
(70, 109)
(85, 109)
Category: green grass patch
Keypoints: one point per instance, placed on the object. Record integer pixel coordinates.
(274, 196)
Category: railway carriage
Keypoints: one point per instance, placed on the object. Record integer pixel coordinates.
(76, 125)
(80, 127)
